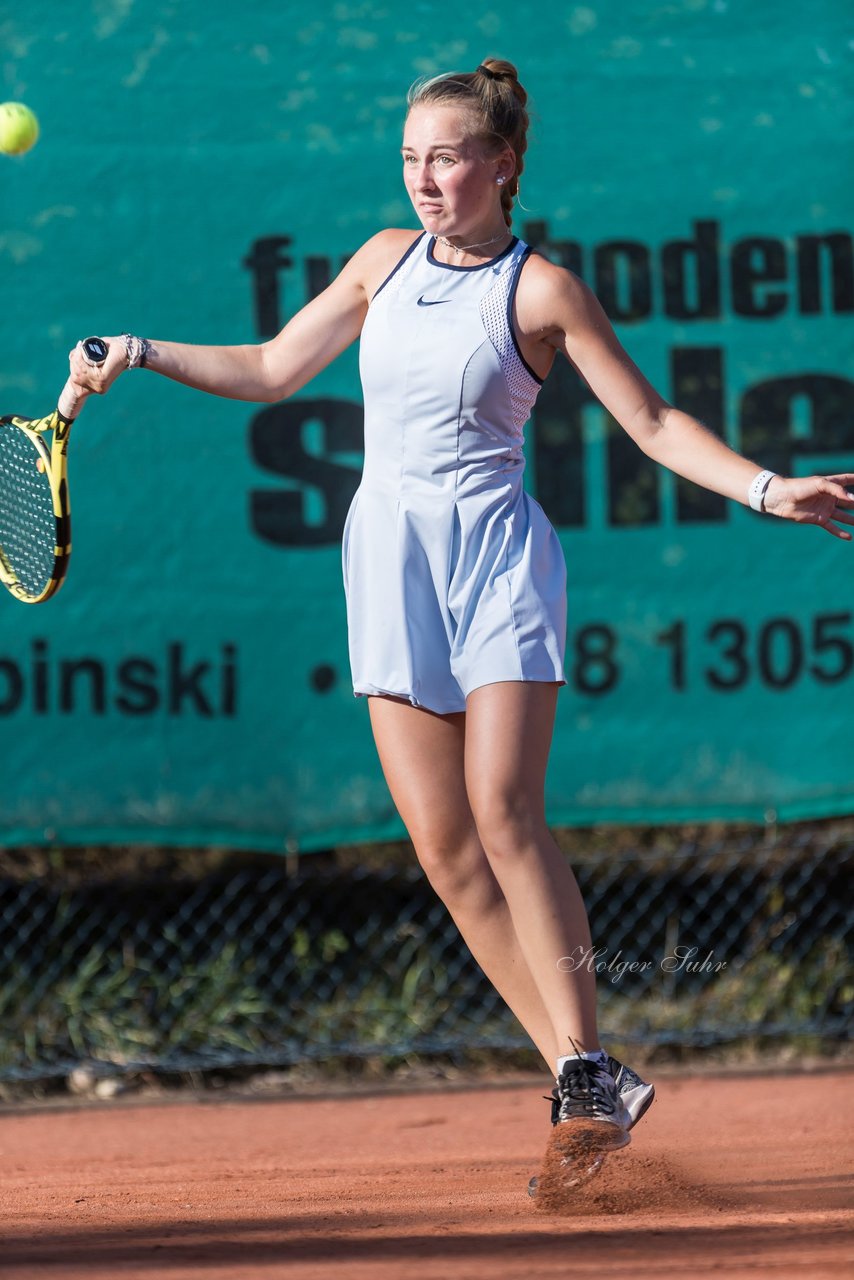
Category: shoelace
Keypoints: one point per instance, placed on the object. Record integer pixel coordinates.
(584, 1087)
(554, 1096)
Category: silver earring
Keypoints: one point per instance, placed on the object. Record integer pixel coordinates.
(500, 181)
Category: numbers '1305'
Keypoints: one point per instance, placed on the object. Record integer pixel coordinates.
(725, 654)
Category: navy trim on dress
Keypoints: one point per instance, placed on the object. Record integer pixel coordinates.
(510, 296)
(396, 268)
(449, 266)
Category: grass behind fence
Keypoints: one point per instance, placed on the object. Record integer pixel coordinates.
(194, 964)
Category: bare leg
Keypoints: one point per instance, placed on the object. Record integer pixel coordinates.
(508, 736)
(423, 756)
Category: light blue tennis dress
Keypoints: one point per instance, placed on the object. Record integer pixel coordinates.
(453, 574)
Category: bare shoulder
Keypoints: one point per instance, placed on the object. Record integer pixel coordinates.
(549, 296)
(378, 257)
(552, 302)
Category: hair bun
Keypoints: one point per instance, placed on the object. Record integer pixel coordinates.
(500, 69)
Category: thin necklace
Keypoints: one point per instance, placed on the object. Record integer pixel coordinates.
(481, 244)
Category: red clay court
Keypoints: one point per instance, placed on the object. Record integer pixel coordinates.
(741, 1176)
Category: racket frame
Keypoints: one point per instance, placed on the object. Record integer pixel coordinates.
(55, 462)
(94, 351)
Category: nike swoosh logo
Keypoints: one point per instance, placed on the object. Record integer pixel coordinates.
(436, 303)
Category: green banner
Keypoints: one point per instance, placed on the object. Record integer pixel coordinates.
(199, 177)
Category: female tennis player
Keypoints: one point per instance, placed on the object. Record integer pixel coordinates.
(455, 580)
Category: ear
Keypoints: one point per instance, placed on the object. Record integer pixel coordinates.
(505, 166)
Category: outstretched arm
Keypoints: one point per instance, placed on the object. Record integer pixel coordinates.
(276, 369)
(561, 312)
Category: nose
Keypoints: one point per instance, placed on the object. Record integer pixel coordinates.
(424, 179)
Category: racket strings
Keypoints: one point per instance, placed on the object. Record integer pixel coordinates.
(27, 519)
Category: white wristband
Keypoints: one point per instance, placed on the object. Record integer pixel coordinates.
(758, 488)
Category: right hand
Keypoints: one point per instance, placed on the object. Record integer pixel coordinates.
(98, 379)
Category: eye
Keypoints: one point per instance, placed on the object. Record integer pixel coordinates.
(409, 159)
(444, 159)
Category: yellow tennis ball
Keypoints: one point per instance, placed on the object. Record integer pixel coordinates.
(19, 129)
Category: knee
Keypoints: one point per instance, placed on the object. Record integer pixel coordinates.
(454, 863)
(509, 823)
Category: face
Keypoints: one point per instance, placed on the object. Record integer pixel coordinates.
(450, 176)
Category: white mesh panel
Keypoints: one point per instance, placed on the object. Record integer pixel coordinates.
(522, 386)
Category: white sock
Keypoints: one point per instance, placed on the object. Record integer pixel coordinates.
(599, 1056)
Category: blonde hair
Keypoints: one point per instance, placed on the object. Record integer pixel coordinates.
(495, 100)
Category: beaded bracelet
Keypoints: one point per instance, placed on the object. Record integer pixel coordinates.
(137, 350)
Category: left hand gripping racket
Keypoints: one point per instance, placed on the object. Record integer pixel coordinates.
(35, 516)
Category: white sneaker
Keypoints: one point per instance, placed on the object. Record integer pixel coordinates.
(635, 1095)
(587, 1091)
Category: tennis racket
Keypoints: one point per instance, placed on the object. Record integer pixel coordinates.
(35, 516)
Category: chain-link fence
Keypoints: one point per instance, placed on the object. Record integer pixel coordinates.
(705, 942)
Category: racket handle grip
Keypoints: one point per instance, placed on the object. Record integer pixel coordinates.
(73, 397)
(71, 400)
